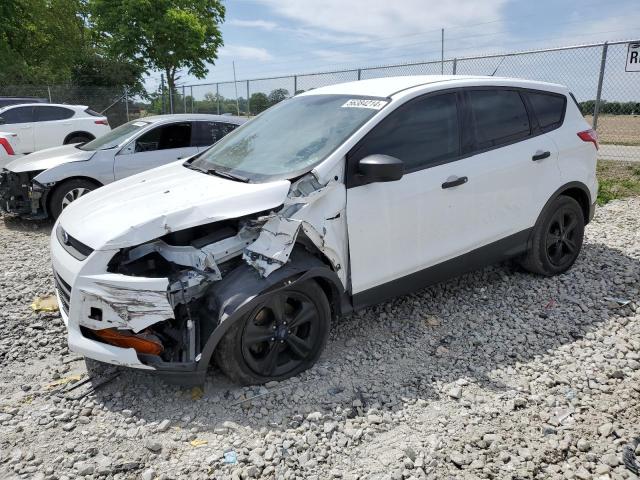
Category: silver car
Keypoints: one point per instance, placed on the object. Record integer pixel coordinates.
(42, 184)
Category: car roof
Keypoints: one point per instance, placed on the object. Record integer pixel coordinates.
(185, 117)
(388, 86)
(41, 104)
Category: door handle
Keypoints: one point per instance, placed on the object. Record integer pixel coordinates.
(540, 156)
(454, 182)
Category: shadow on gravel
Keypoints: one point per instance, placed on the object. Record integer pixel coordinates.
(477, 328)
(22, 225)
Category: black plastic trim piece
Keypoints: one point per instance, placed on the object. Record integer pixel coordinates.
(508, 247)
(75, 248)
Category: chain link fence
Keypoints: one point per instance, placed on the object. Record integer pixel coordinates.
(608, 96)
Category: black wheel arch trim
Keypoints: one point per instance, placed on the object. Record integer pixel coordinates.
(235, 295)
(588, 214)
(78, 134)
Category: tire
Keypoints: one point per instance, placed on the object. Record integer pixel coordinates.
(78, 138)
(557, 238)
(268, 345)
(67, 192)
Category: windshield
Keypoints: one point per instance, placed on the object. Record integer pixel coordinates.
(290, 138)
(115, 137)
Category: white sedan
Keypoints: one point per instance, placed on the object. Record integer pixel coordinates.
(46, 125)
(42, 184)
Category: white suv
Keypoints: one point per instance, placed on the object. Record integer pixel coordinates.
(336, 199)
(45, 125)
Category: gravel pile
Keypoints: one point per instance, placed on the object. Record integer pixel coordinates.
(498, 374)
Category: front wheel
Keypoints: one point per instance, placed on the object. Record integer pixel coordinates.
(557, 238)
(68, 192)
(283, 336)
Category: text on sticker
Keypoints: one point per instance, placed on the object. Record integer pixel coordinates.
(364, 103)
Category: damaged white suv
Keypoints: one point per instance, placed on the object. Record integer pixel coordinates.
(336, 199)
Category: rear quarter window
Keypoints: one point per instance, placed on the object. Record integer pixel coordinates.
(548, 108)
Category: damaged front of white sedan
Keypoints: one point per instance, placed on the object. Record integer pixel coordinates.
(333, 200)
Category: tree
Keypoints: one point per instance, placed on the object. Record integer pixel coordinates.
(165, 35)
(278, 95)
(258, 103)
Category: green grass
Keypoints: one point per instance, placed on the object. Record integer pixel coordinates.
(617, 180)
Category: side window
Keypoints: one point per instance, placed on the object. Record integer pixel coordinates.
(18, 115)
(176, 135)
(499, 117)
(421, 134)
(49, 114)
(208, 133)
(548, 108)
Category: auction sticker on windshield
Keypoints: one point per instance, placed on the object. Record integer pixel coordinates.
(364, 103)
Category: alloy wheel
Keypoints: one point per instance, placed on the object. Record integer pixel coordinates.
(561, 240)
(281, 334)
(73, 195)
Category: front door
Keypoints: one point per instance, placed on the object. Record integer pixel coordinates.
(158, 146)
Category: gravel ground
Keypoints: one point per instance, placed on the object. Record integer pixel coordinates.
(498, 374)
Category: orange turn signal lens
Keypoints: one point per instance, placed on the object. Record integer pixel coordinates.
(128, 340)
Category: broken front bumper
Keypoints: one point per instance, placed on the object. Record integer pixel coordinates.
(91, 299)
(20, 196)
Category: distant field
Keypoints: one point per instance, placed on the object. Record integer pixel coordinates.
(618, 129)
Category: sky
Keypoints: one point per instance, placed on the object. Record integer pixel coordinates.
(268, 38)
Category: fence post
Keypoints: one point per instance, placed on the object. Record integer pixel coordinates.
(218, 96)
(126, 101)
(170, 99)
(359, 73)
(295, 84)
(191, 88)
(455, 65)
(248, 101)
(184, 98)
(603, 64)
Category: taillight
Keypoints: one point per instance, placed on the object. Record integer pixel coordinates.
(589, 136)
(102, 122)
(7, 146)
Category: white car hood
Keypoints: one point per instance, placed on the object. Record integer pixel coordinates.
(169, 198)
(48, 158)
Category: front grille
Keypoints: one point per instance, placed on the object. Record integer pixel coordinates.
(64, 291)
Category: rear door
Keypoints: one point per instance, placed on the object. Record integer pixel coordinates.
(52, 126)
(517, 164)
(206, 133)
(20, 120)
(161, 145)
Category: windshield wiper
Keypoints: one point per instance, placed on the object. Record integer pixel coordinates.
(228, 175)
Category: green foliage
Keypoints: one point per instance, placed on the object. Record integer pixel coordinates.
(610, 108)
(165, 35)
(617, 180)
(278, 95)
(258, 103)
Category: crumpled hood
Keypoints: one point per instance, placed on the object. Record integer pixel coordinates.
(48, 158)
(169, 198)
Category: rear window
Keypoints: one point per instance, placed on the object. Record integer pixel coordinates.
(50, 114)
(208, 133)
(548, 108)
(499, 117)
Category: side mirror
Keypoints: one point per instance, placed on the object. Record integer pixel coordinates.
(380, 168)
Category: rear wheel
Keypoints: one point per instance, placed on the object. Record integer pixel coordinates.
(557, 238)
(68, 192)
(283, 336)
(78, 138)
